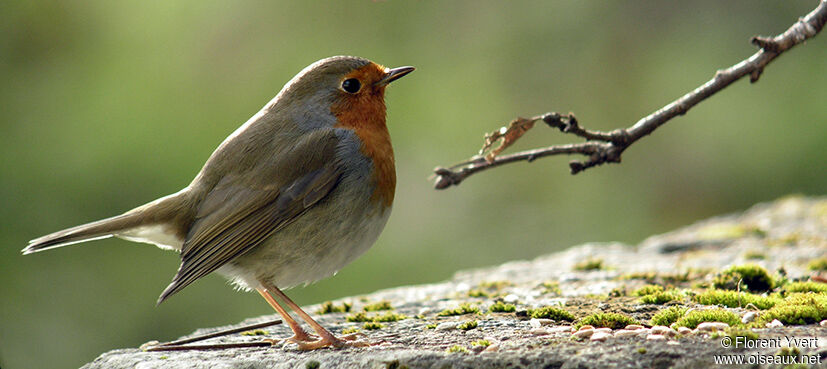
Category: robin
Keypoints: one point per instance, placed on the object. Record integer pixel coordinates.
(300, 190)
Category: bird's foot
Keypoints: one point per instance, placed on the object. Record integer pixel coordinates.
(351, 340)
(303, 336)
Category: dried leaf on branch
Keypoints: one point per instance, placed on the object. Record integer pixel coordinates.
(506, 136)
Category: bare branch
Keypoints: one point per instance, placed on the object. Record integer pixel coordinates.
(181, 345)
(607, 147)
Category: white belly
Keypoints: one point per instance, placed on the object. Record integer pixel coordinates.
(315, 246)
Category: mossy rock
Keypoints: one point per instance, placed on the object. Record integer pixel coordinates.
(798, 309)
(819, 264)
(553, 313)
(606, 320)
(589, 264)
(328, 307)
(649, 289)
(460, 310)
(696, 317)
(471, 324)
(381, 305)
(750, 277)
(669, 315)
(660, 298)
(501, 307)
(735, 299)
(808, 286)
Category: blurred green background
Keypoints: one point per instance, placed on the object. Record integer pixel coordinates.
(107, 105)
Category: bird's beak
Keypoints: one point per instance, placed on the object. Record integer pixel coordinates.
(394, 74)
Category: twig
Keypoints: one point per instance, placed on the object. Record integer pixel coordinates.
(180, 344)
(607, 147)
(217, 346)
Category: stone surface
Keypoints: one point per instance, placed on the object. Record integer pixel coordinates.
(788, 232)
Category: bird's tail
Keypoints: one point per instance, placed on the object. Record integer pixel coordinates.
(86, 232)
(157, 212)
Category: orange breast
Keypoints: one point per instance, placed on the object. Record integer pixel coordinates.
(364, 113)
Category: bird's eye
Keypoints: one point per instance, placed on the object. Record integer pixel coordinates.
(351, 85)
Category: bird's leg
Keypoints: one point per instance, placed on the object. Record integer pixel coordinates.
(299, 334)
(327, 338)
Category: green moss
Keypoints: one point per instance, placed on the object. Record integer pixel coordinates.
(312, 364)
(797, 309)
(489, 289)
(381, 305)
(746, 334)
(668, 316)
(363, 317)
(641, 350)
(389, 317)
(371, 326)
(755, 255)
(648, 289)
(735, 299)
(646, 276)
(790, 239)
(350, 330)
(781, 279)
(730, 231)
(465, 326)
(695, 317)
(501, 307)
(552, 287)
(589, 264)
(478, 293)
(597, 297)
(328, 307)
(819, 264)
(751, 277)
(756, 232)
(483, 343)
(494, 285)
(255, 332)
(808, 286)
(794, 315)
(431, 326)
(460, 310)
(653, 277)
(553, 313)
(789, 351)
(607, 320)
(358, 317)
(660, 298)
(456, 349)
(617, 292)
(395, 365)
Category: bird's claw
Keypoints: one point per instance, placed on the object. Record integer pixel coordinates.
(352, 336)
(351, 340)
(300, 338)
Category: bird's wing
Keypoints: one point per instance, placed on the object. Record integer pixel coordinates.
(236, 215)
